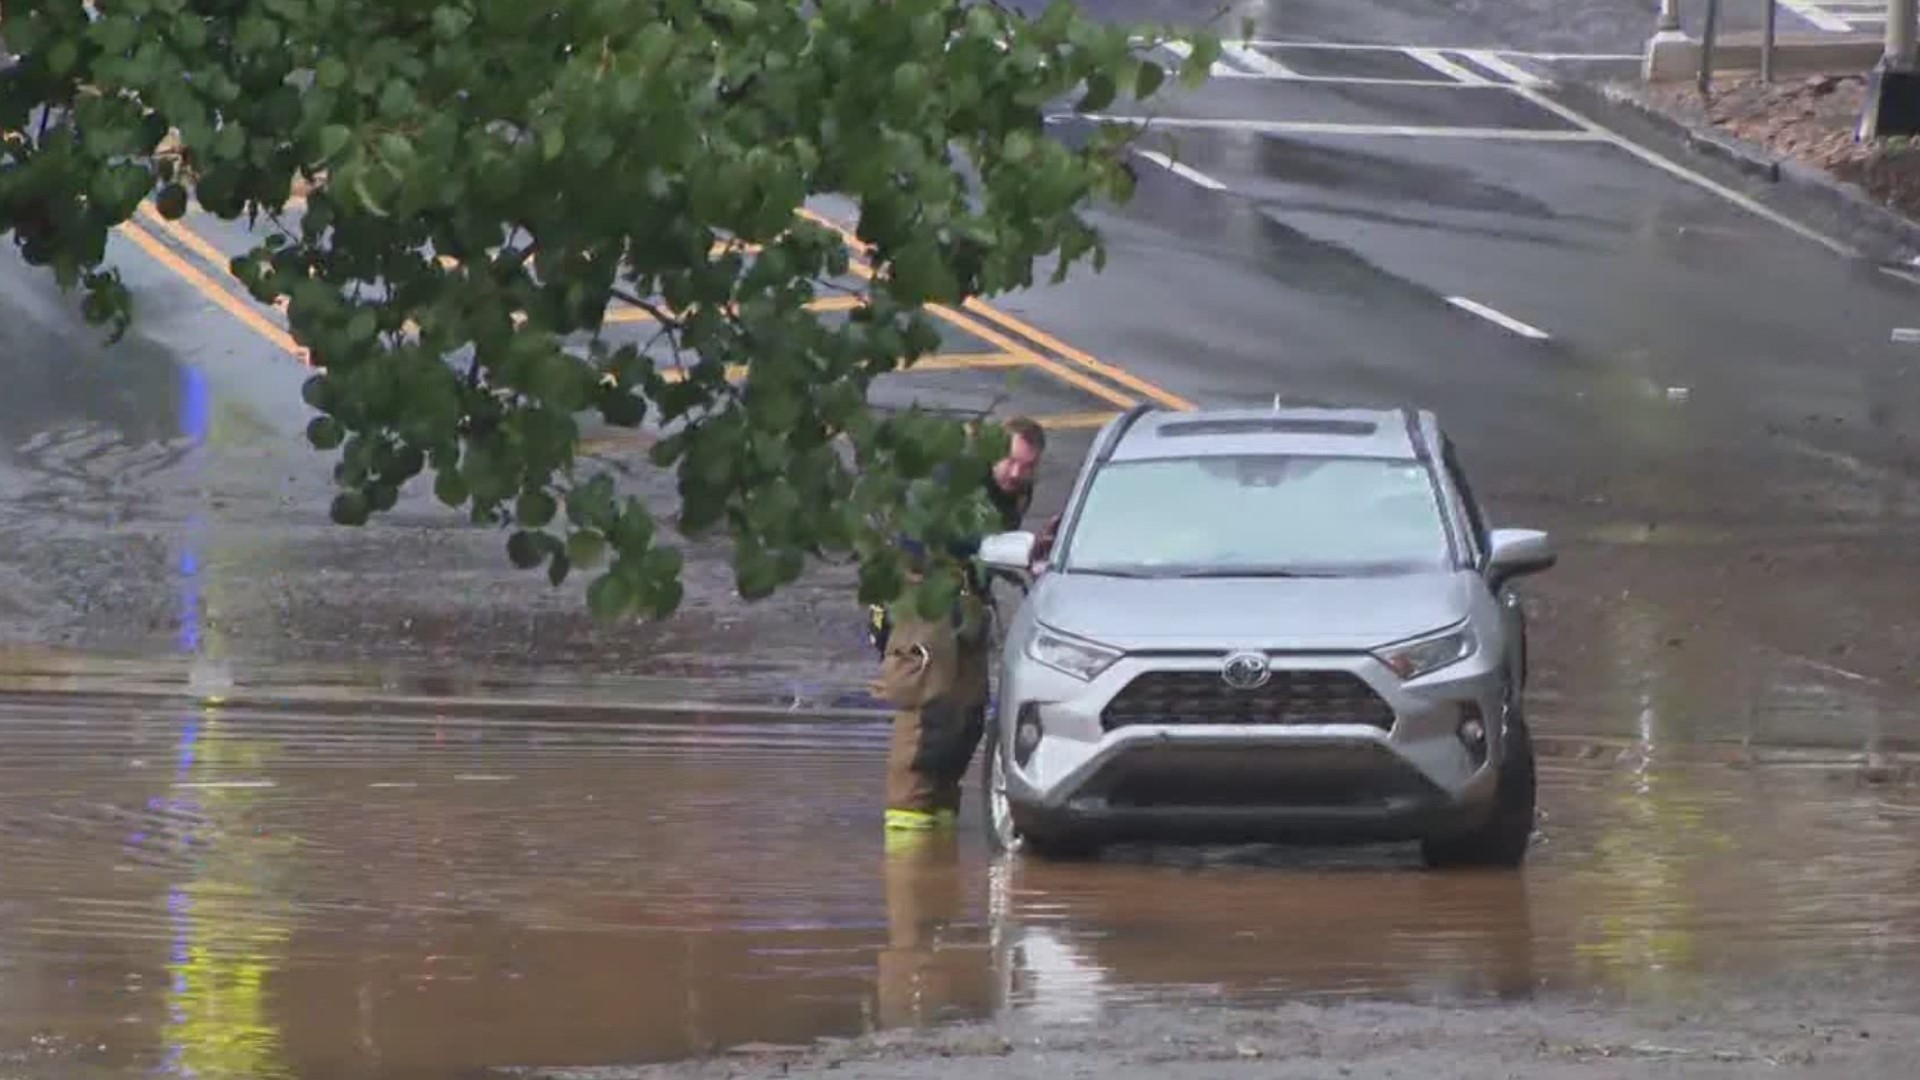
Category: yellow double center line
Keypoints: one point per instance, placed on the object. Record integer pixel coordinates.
(1067, 353)
(1073, 366)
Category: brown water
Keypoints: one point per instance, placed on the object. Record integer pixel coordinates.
(222, 892)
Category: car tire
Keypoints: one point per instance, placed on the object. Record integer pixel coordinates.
(1004, 833)
(1503, 838)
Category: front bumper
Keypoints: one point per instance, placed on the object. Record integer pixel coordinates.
(1220, 785)
(1406, 775)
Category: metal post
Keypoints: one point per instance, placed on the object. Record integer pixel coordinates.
(1893, 86)
(1767, 36)
(1899, 40)
(1707, 36)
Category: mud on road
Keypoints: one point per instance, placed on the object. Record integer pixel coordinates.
(1355, 1042)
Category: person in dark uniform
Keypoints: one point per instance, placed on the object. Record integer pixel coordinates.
(935, 672)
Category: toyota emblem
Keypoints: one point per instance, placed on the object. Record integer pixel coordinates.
(1246, 671)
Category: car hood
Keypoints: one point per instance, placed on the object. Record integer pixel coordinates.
(1251, 613)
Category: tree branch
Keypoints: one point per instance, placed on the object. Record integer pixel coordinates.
(659, 314)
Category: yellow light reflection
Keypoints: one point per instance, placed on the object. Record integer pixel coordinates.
(228, 936)
(1639, 932)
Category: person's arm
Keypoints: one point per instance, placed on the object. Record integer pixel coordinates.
(1043, 541)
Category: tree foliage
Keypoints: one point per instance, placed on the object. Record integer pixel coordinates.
(459, 189)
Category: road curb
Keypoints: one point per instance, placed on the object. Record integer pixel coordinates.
(1882, 235)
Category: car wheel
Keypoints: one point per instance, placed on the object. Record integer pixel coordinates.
(1502, 839)
(1004, 834)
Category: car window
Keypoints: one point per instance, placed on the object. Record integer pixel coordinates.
(1475, 520)
(1260, 514)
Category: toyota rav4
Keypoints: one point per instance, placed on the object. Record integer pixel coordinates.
(1263, 626)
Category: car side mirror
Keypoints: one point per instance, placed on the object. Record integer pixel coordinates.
(1517, 553)
(1008, 553)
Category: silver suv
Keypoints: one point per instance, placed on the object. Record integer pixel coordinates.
(1267, 625)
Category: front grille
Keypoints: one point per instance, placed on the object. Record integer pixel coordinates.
(1289, 697)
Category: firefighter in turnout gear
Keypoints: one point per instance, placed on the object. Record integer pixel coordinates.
(934, 672)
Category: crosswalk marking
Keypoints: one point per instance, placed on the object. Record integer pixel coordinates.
(1503, 67)
(1185, 172)
(1439, 63)
(1456, 67)
(1840, 16)
(1259, 63)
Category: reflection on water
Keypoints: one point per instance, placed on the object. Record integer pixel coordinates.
(226, 928)
(252, 894)
(227, 925)
(1640, 858)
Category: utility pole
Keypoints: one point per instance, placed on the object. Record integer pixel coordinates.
(1900, 29)
(1893, 88)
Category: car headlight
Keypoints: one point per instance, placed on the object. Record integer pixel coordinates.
(1425, 655)
(1083, 660)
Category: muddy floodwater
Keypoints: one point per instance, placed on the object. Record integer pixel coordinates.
(244, 891)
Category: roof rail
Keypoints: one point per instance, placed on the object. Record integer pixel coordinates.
(1119, 432)
(1415, 435)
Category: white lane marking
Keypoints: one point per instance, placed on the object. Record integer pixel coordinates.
(1185, 172)
(1497, 318)
(1182, 51)
(481, 778)
(1433, 59)
(1256, 62)
(1493, 62)
(1314, 127)
(215, 785)
(1906, 335)
(1552, 56)
(1658, 161)
(1377, 80)
(1367, 46)
(1814, 14)
(1907, 276)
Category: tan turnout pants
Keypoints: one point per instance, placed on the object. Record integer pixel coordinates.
(934, 674)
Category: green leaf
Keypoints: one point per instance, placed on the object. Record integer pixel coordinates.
(325, 433)
(450, 487)
(586, 548)
(755, 574)
(450, 22)
(229, 142)
(524, 549)
(333, 139)
(1198, 65)
(535, 509)
(1101, 90)
(350, 508)
(331, 73)
(609, 596)
(935, 596)
(1148, 80)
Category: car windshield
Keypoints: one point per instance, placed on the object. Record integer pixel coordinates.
(1256, 516)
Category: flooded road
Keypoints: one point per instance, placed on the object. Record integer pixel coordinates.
(241, 892)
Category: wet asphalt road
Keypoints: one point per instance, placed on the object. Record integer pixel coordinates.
(436, 826)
